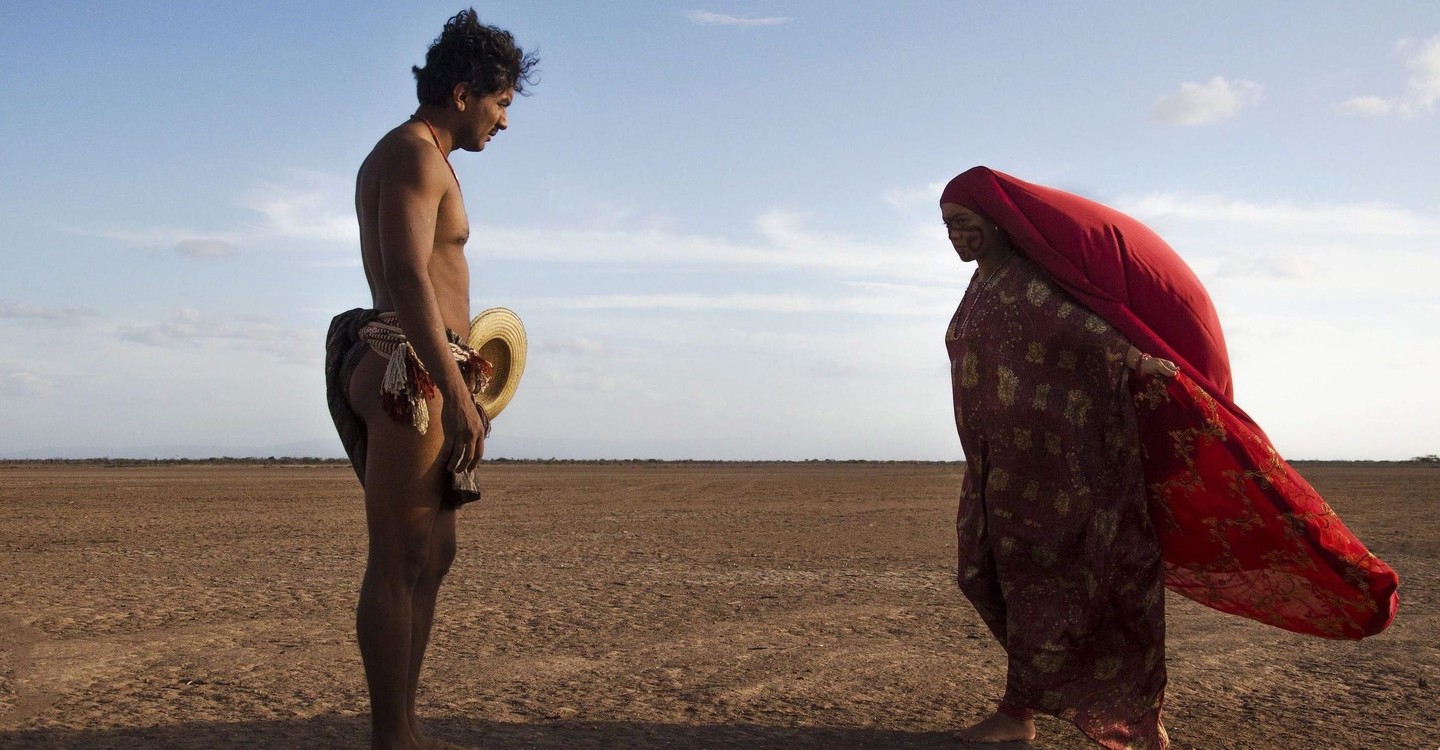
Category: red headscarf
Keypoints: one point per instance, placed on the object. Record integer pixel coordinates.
(1112, 264)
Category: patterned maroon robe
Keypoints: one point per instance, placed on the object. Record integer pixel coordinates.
(1057, 550)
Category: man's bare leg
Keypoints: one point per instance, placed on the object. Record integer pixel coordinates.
(403, 484)
(1000, 727)
(384, 624)
(422, 611)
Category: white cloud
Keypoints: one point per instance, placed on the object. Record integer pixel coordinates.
(586, 379)
(873, 299)
(22, 310)
(1376, 256)
(1201, 103)
(1370, 219)
(183, 241)
(23, 384)
(1285, 266)
(782, 240)
(775, 303)
(206, 248)
(189, 328)
(311, 206)
(1422, 89)
(1368, 106)
(707, 18)
(573, 345)
(922, 197)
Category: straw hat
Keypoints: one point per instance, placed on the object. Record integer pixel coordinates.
(500, 338)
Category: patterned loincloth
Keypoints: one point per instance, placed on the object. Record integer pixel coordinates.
(405, 389)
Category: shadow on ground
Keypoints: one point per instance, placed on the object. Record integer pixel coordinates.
(325, 733)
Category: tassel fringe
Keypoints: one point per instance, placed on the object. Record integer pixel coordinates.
(407, 385)
(406, 388)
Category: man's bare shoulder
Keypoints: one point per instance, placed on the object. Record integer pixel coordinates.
(406, 156)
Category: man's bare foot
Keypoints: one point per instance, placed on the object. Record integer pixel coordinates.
(999, 728)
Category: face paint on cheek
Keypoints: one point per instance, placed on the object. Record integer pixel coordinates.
(972, 239)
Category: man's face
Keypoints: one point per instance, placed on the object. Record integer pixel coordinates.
(486, 116)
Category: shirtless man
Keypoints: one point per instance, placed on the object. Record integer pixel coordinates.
(415, 449)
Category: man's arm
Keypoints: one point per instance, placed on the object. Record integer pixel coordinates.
(411, 189)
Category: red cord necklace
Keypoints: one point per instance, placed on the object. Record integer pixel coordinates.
(443, 155)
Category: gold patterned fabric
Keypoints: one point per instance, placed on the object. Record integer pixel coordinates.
(1057, 551)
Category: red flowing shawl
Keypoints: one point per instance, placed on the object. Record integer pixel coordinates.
(1241, 530)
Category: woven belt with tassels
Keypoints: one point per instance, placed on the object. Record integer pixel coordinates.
(407, 384)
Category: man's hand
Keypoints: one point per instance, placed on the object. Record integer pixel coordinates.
(466, 429)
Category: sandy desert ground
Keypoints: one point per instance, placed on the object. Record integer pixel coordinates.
(622, 606)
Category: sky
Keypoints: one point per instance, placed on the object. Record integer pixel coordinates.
(718, 220)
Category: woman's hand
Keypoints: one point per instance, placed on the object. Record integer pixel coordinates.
(1150, 366)
(1146, 366)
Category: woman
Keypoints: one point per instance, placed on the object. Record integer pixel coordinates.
(1096, 473)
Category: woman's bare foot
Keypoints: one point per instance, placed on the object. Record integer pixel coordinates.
(999, 728)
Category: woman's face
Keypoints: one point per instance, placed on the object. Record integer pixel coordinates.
(972, 235)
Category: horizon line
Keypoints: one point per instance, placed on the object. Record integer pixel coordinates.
(1427, 460)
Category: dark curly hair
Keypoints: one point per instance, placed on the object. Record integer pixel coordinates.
(468, 51)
